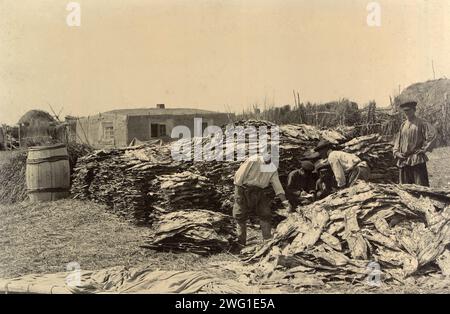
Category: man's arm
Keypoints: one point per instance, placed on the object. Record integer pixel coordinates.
(276, 184)
(396, 149)
(278, 188)
(338, 171)
(429, 137)
(290, 181)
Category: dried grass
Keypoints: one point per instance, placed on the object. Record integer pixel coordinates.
(45, 237)
(12, 176)
(13, 186)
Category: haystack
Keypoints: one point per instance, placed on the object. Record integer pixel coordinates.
(35, 128)
(33, 115)
(433, 104)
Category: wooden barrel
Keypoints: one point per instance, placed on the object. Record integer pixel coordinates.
(48, 173)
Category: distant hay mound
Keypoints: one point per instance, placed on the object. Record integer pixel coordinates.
(35, 128)
(33, 115)
(433, 104)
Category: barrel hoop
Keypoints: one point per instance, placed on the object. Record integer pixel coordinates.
(39, 148)
(48, 159)
(47, 190)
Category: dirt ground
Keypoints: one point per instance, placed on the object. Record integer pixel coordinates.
(45, 237)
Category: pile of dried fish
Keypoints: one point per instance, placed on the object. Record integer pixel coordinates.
(75, 151)
(122, 179)
(296, 141)
(185, 190)
(403, 229)
(128, 179)
(377, 151)
(197, 231)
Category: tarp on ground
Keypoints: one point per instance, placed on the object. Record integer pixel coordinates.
(122, 280)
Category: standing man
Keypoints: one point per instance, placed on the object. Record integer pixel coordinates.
(413, 140)
(301, 181)
(346, 167)
(250, 181)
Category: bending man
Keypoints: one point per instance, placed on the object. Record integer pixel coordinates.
(346, 167)
(250, 181)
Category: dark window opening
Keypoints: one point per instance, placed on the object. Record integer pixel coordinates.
(108, 131)
(157, 130)
(204, 126)
(154, 130)
(162, 130)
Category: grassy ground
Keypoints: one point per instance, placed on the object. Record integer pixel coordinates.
(45, 237)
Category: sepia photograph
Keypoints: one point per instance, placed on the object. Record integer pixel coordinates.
(240, 150)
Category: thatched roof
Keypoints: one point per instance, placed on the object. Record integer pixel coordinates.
(36, 115)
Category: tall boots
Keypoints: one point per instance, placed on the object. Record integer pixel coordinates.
(241, 230)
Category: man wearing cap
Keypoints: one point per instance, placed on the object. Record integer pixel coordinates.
(324, 184)
(346, 167)
(300, 181)
(250, 180)
(414, 139)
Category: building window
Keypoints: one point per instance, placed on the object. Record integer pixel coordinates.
(157, 130)
(153, 130)
(108, 131)
(162, 130)
(204, 126)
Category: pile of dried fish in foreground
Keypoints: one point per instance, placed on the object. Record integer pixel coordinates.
(404, 229)
(197, 231)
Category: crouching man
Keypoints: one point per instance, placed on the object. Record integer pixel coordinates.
(250, 180)
(300, 182)
(347, 168)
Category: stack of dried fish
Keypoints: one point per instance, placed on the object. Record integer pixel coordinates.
(295, 141)
(377, 151)
(122, 178)
(198, 231)
(75, 151)
(126, 179)
(404, 229)
(185, 190)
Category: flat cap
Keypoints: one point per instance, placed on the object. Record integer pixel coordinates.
(320, 165)
(307, 165)
(408, 104)
(322, 145)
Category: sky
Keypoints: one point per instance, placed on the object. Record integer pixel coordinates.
(221, 55)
